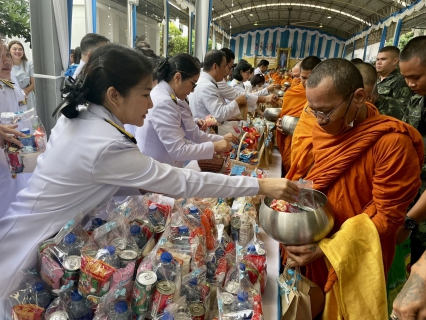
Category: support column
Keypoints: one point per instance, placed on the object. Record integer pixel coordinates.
(223, 40)
(166, 28)
(397, 33)
(129, 25)
(46, 59)
(90, 20)
(353, 51)
(203, 15)
(344, 51)
(365, 47)
(190, 28)
(134, 24)
(383, 38)
(214, 40)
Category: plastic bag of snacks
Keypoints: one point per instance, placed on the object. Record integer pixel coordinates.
(113, 305)
(305, 202)
(197, 292)
(34, 143)
(32, 298)
(156, 204)
(59, 258)
(242, 228)
(222, 214)
(108, 260)
(127, 208)
(176, 310)
(254, 258)
(77, 305)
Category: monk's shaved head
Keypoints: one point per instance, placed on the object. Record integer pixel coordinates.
(368, 73)
(295, 72)
(415, 48)
(310, 63)
(391, 49)
(344, 75)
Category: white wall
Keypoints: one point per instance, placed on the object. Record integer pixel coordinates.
(371, 55)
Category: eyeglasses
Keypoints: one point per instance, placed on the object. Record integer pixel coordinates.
(193, 84)
(231, 67)
(325, 118)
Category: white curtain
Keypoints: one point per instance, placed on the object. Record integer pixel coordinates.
(61, 19)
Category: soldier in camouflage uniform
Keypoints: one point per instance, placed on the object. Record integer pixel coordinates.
(390, 82)
(386, 105)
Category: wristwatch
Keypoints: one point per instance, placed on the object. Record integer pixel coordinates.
(410, 223)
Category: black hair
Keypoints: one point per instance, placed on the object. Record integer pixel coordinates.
(77, 55)
(357, 61)
(416, 47)
(142, 44)
(112, 65)
(212, 57)
(309, 63)
(198, 60)
(392, 49)
(251, 70)
(257, 79)
(242, 66)
(263, 62)
(230, 55)
(181, 62)
(368, 73)
(242, 60)
(91, 41)
(345, 76)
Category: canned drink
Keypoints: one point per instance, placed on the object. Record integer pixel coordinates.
(158, 232)
(197, 311)
(235, 227)
(15, 160)
(232, 287)
(142, 292)
(227, 301)
(163, 296)
(182, 316)
(58, 315)
(71, 270)
(119, 243)
(127, 256)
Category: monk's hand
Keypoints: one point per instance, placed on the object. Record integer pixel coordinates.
(303, 255)
(8, 133)
(278, 125)
(277, 188)
(402, 234)
(231, 138)
(411, 301)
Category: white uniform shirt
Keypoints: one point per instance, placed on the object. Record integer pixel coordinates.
(257, 71)
(79, 68)
(238, 85)
(86, 161)
(229, 93)
(169, 134)
(10, 187)
(249, 89)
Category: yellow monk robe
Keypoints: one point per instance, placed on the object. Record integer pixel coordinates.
(374, 169)
(294, 101)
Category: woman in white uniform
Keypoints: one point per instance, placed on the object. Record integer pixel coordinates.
(170, 134)
(89, 156)
(11, 98)
(256, 86)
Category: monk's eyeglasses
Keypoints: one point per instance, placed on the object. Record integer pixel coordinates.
(325, 118)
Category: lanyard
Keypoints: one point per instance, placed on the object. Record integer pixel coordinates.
(124, 132)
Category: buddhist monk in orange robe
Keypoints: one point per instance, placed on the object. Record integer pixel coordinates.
(364, 163)
(293, 103)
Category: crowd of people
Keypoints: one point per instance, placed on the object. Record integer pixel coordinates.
(134, 119)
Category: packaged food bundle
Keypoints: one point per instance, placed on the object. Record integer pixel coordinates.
(305, 202)
(159, 209)
(254, 258)
(114, 305)
(197, 292)
(128, 208)
(77, 305)
(177, 310)
(252, 137)
(31, 299)
(59, 258)
(238, 307)
(34, 143)
(243, 227)
(108, 260)
(222, 214)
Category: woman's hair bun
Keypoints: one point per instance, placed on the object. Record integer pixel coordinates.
(73, 93)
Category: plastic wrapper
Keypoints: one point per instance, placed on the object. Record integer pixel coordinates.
(252, 137)
(305, 202)
(25, 159)
(254, 258)
(114, 299)
(31, 299)
(176, 310)
(194, 287)
(128, 208)
(59, 258)
(77, 306)
(231, 308)
(163, 203)
(222, 214)
(108, 260)
(243, 227)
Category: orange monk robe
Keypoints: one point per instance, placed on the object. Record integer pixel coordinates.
(285, 79)
(302, 158)
(374, 169)
(294, 101)
(295, 82)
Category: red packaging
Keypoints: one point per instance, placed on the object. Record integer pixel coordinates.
(221, 271)
(256, 267)
(27, 312)
(257, 307)
(164, 209)
(163, 296)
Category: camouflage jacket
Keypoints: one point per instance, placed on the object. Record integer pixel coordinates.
(389, 107)
(415, 114)
(394, 86)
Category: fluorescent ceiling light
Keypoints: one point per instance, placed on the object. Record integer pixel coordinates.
(175, 6)
(329, 17)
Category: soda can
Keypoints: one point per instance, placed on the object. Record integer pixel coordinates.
(158, 232)
(58, 315)
(71, 270)
(227, 301)
(127, 256)
(119, 243)
(15, 160)
(235, 228)
(142, 292)
(197, 311)
(163, 296)
(232, 287)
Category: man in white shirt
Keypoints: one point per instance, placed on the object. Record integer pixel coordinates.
(206, 98)
(262, 66)
(88, 44)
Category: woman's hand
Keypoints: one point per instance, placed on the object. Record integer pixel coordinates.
(277, 188)
(8, 133)
(202, 124)
(222, 146)
(272, 98)
(229, 137)
(303, 255)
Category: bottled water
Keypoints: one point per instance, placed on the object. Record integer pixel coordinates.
(195, 212)
(242, 302)
(251, 249)
(96, 223)
(70, 245)
(182, 238)
(155, 216)
(167, 316)
(166, 270)
(80, 307)
(107, 254)
(191, 291)
(40, 296)
(120, 311)
(138, 236)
